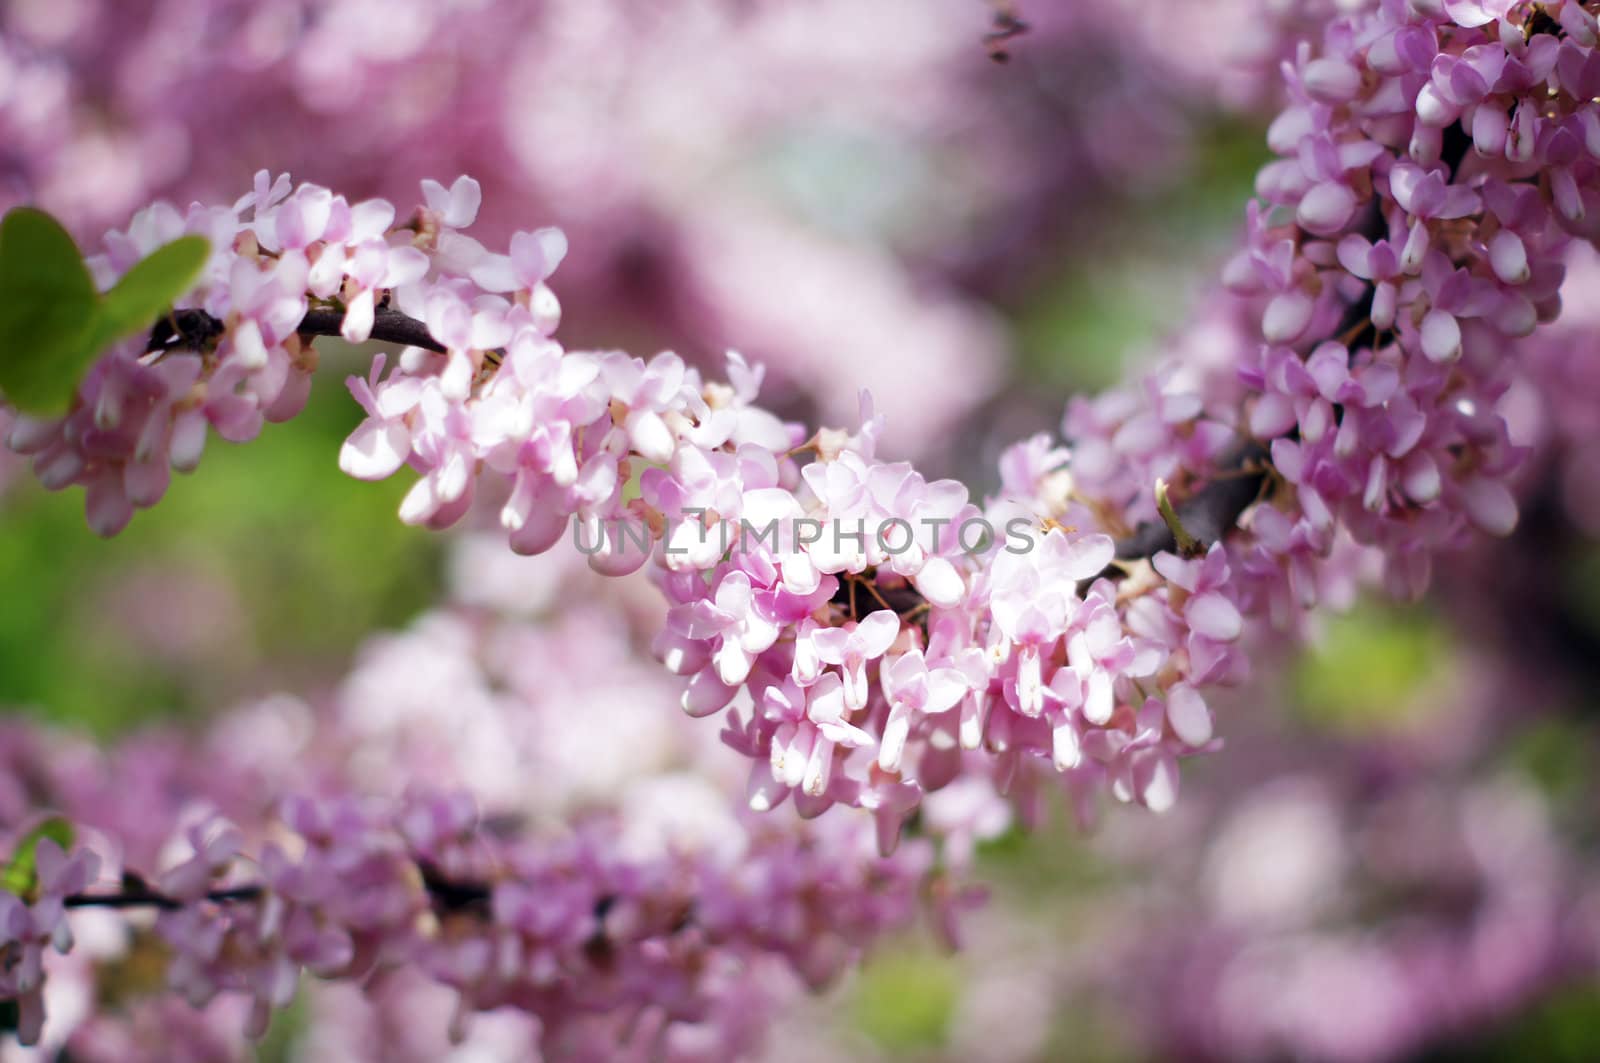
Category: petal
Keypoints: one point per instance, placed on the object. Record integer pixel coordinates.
(1441, 336)
(650, 437)
(496, 273)
(1490, 505)
(1081, 557)
(706, 694)
(896, 730)
(1214, 616)
(1065, 749)
(946, 688)
(406, 265)
(830, 644)
(1155, 779)
(1326, 208)
(1287, 316)
(106, 505)
(875, 634)
(465, 198)
(1188, 715)
(1098, 703)
(734, 595)
(1508, 257)
(940, 583)
(1353, 252)
(370, 218)
(358, 318)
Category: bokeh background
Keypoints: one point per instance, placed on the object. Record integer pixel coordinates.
(1395, 857)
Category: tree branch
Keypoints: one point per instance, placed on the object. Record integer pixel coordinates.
(1007, 26)
(447, 894)
(194, 328)
(137, 893)
(1210, 512)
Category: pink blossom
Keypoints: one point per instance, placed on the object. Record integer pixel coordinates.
(852, 646)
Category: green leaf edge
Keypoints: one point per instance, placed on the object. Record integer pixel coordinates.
(133, 304)
(21, 875)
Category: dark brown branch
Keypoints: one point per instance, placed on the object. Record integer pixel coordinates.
(451, 895)
(1210, 512)
(195, 328)
(135, 892)
(1008, 25)
(388, 325)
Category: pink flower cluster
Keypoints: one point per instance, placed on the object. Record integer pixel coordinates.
(562, 928)
(1400, 246)
(1438, 164)
(874, 638)
(565, 928)
(892, 651)
(147, 406)
(651, 915)
(1436, 168)
(781, 575)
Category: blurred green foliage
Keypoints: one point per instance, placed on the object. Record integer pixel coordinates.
(299, 563)
(1563, 1027)
(1046, 866)
(1556, 753)
(1114, 297)
(21, 874)
(1581, 588)
(1365, 674)
(265, 568)
(903, 998)
(281, 1044)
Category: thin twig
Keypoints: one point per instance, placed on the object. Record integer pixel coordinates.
(1008, 26)
(193, 328)
(137, 893)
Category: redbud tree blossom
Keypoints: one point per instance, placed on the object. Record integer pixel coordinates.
(855, 632)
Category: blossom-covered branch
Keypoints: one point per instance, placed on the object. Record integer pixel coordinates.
(135, 892)
(870, 638)
(579, 914)
(655, 916)
(880, 635)
(1214, 509)
(873, 638)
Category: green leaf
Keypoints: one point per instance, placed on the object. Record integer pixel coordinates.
(47, 305)
(147, 290)
(21, 875)
(53, 325)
